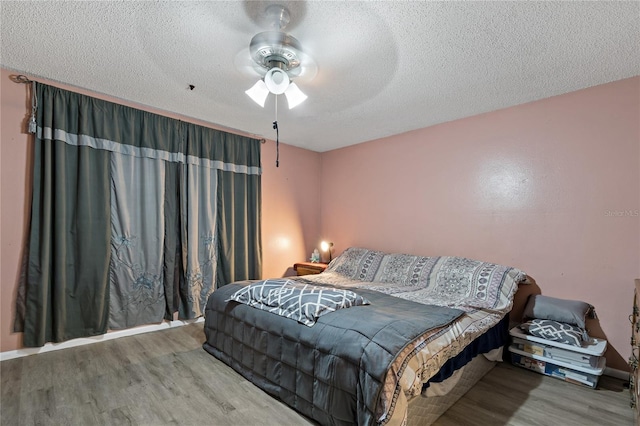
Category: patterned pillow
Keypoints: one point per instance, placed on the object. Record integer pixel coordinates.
(556, 331)
(446, 281)
(302, 302)
(356, 263)
(405, 270)
(462, 282)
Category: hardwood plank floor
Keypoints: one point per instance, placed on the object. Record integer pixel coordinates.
(513, 396)
(165, 377)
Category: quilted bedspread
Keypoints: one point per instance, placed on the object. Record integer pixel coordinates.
(332, 372)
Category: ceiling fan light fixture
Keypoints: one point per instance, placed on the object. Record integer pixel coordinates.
(294, 95)
(258, 93)
(276, 81)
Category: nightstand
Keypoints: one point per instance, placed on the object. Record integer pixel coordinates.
(308, 268)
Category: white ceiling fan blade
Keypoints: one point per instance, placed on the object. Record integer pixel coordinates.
(247, 66)
(294, 96)
(258, 93)
(307, 70)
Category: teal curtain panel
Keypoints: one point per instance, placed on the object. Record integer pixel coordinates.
(134, 217)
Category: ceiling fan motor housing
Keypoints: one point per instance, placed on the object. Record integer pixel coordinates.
(276, 49)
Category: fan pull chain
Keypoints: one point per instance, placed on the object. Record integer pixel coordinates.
(275, 127)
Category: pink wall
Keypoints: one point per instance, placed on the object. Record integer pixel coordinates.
(551, 187)
(15, 182)
(290, 208)
(290, 216)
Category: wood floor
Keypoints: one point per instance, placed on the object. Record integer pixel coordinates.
(165, 377)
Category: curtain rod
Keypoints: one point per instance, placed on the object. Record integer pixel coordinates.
(20, 78)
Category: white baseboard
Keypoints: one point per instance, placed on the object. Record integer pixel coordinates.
(618, 374)
(48, 347)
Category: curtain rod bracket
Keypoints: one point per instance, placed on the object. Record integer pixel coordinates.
(20, 79)
(32, 125)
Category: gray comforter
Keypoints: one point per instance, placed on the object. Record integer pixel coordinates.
(332, 372)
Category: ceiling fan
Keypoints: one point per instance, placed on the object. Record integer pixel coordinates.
(278, 58)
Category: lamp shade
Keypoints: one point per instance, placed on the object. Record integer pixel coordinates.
(258, 93)
(326, 247)
(276, 81)
(294, 95)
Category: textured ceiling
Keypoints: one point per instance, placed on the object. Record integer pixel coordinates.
(382, 67)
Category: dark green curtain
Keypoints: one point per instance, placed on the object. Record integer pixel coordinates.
(175, 283)
(70, 254)
(68, 257)
(239, 231)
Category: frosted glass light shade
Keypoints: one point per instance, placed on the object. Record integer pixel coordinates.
(294, 95)
(276, 80)
(258, 93)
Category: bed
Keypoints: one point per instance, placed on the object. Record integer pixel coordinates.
(377, 338)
